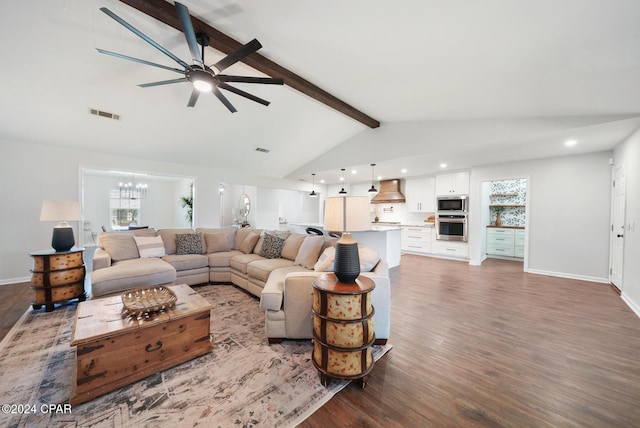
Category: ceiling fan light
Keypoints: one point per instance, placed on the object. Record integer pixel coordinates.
(202, 85)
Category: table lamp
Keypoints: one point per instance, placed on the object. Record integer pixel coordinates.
(61, 211)
(347, 214)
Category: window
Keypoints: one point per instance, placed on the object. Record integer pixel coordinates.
(124, 211)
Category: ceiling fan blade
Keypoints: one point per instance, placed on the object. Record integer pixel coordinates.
(163, 82)
(237, 55)
(141, 61)
(189, 33)
(140, 34)
(193, 98)
(242, 93)
(223, 99)
(250, 79)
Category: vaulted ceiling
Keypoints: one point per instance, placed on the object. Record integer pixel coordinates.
(460, 82)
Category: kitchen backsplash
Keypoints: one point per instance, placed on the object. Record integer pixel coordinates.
(517, 189)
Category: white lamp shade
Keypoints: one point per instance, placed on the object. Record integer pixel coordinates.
(347, 214)
(60, 211)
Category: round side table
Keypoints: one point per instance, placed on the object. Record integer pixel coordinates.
(342, 328)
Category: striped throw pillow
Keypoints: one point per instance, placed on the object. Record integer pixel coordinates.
(149, 246)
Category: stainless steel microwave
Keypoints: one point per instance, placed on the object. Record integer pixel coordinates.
(453, 203)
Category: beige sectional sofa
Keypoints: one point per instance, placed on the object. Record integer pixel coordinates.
(278, 267)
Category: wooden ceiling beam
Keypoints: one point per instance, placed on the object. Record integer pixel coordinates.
(166, 13)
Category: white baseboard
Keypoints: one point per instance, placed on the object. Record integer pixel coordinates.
(15, 280)
(634, 307)
(570, 276)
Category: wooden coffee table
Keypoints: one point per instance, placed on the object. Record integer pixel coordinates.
(114, 349)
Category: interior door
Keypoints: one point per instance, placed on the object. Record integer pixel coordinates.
(617, 229)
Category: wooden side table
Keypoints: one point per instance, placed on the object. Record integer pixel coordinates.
(342, 328)
(57, 276)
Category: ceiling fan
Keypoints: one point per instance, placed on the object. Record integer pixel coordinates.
(204, 78)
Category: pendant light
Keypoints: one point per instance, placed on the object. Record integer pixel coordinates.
(373, 189)
(313, 193)
(342, 191)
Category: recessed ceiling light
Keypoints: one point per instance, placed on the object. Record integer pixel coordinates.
(570, 143)
(379, 177)
(443, 165)
(322, 181)
(404, 170)
(354, 172)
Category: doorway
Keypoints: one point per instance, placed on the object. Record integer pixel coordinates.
(504, 219)
(618, 196)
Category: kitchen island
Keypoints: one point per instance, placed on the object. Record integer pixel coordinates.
(385, 238)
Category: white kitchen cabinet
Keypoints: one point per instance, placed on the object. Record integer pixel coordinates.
(505, 242)
(450, 248)
(518, 243)
(421, 194)
(416, 239)
(452, 184)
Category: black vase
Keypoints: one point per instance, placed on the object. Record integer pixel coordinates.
(62, 239)
(347, 262)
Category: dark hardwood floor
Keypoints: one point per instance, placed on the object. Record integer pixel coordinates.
(485, 346)
(493, 346)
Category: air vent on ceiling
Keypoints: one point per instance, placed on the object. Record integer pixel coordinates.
(260, 149)
(104, 114)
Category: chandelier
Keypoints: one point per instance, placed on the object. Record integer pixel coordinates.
(133, 190)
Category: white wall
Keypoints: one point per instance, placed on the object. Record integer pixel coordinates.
(31, 173)
(568, 216)
(628, 154)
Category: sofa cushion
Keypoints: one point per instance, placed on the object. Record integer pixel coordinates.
(271, 246)
(229, 231)
(292, 245)
(222, 258)
(128, 274)
(149, 246)
(260, 269)
(240, 262)
(187, 261)
(241, 234)
(189, 243)
(309, 251)
(325, 261)
(279, 233)
(120, 245)
(217, 242)
(249, 243)
(169, 238)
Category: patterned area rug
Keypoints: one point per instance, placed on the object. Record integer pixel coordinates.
(243, 382)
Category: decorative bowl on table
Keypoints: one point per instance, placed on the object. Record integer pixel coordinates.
(147, 300)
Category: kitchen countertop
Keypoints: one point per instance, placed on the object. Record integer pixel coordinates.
(505, 227)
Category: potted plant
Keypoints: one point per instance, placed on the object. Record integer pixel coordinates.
(498, 209)
(187, 202)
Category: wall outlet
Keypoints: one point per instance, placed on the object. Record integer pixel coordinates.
(632, 226)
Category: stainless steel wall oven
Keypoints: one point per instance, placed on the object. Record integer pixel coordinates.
(451, 227)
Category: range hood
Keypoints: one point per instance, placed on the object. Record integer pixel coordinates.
(389, 193)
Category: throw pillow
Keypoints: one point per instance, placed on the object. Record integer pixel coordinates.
(271, 246)
(119, 245)
(280, 233)
(292, 245)
(149, 246)
(217, 242)
(309, 251)
(325, 261)
(249, 243)
(369, 258)
(189, 243)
